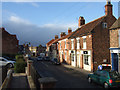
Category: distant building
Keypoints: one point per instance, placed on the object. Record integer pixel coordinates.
(33, 50)
(41, 49)
(9, 42)
(115, 45)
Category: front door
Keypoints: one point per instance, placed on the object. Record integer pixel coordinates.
(73, 59)
(114, 61)
(78, 60)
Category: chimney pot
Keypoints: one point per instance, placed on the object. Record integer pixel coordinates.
(56, 36)
(81, 21)
(62, 34)
(108, 8)
(69, 30)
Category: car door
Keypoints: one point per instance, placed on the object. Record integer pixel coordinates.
(96, 76)
(103, 77)
(3, 62)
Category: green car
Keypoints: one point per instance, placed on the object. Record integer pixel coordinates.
(106, 78)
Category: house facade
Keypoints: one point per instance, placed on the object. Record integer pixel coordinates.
(64, 46)
(115, 45)
(88, 46)
(9, 42)
(91, 41)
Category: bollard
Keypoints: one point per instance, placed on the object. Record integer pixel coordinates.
(29, 63)
(47, 82)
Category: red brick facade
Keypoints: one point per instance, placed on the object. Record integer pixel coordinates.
(9, 42)
(88, 46)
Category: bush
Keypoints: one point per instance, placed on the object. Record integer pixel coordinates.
(20, 66)
(17, 57)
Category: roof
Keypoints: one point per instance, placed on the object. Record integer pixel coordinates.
(64, 37)
(87, 28)
(50, 42)
(116, 24)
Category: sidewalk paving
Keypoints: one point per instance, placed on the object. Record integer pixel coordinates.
(19, 80)
(76, 68)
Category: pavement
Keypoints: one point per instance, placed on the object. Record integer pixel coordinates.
(76, 69)
(19, 80)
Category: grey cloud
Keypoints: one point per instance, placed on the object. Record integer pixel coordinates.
(33, 33)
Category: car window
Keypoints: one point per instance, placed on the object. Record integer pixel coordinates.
(104, 74)
(114, 74)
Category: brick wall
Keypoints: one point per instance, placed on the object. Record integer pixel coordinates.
(9, 43)
(114, 38)
(101, 42)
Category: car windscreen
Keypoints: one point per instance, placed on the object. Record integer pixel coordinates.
(114, 74)
(55, 60)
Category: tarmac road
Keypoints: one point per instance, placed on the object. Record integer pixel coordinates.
(67, 77)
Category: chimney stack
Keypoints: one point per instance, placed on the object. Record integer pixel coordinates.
(62, 34)
(81, 21)
(69, 30)
(56, 36)
(108, 8)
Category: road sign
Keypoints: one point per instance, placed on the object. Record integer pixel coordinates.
(100, 67)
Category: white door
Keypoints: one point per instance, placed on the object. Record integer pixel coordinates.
(78, 60)
(73, 59)
(87, 62)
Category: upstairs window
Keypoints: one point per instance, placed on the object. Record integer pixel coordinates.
(72, 44)
(84, 43)
(104, 25)
(65, 44)
(78, 44)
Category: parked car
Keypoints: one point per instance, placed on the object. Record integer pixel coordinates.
(106, 78)
(39, 58)
(55, 61)
(9, 58)
(4, 61)
(47, 58)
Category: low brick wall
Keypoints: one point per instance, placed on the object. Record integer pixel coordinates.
(39, 80)
(7, 80)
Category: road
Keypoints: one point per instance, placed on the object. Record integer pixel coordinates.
(67, 77)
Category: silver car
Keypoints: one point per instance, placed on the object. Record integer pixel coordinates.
(4, 61)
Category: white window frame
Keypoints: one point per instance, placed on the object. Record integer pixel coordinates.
(84, 43)
(104, 25)
(72, 43)
(65, 44)
(65, 56)
(78, 43)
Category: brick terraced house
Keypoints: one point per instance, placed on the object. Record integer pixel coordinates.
(115, 45)
(9, 42)
(92, 41)
(88, 46)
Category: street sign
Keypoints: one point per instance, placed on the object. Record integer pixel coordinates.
(100, 67)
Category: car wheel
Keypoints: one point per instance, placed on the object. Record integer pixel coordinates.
(10, 65)
(89, 80)
(106, 85)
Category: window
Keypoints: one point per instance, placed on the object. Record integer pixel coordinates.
(86, 59)
(72, 44)
(104, 25)
(60, 45)
(72, 57)
(65, 56)
(84, 43)
(78, 44)
(65, 44)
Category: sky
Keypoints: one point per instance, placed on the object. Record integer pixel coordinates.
(38, 22)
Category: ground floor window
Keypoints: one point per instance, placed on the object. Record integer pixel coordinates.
(72, 57)
(86, 59)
